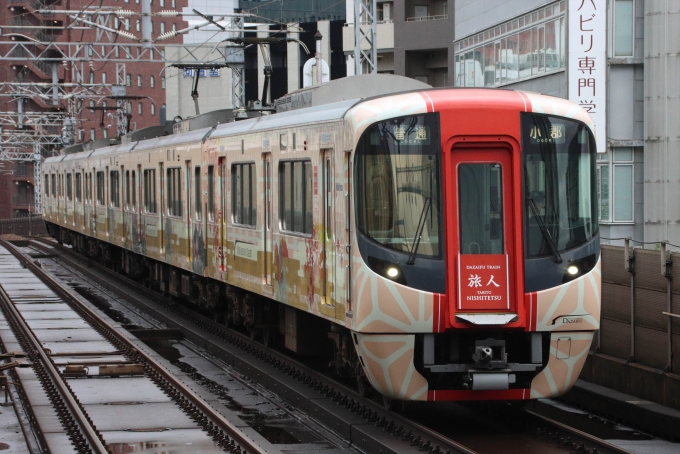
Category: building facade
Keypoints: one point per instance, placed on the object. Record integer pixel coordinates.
(104, 60)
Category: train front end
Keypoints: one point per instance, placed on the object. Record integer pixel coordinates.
(476, 257)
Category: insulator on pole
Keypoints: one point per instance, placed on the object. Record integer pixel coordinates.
(168, 13)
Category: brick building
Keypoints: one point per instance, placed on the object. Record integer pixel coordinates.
(105, 59)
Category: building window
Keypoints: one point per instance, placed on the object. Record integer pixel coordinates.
(103, 78)
(521, 48)
(162, 28)
(152, 82)
(127, 24)
(128, 51)
(80, 135)
(105, 133)
(624, 18)
(174, 191)
(243, 200)
(115, 188)
(153, 109)
(93, 134)
(295, 196)
(92, 77)
(150, 190)
(100, 189)
(117, 51)
(139, 108)
(163, 82)
(128, 80)
(91, 105)
(139, 81)
(615, 185)
(138, 25)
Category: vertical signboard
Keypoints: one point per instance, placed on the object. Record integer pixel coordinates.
(588, 62)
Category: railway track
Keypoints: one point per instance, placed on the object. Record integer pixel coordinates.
(79, 420)
(362, 421)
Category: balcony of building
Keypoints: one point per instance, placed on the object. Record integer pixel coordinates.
(425, 10)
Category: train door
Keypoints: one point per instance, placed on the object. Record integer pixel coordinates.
(267, 227)
(125, 202)
(161, 198)
(187, 183)
(328, 262)
(482, 231)
(221, 214)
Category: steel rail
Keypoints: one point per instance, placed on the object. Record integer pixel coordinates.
(349, 392)
(216, 418)
(85, 427)
(580, 434)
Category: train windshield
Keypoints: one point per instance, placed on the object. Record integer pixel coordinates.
(560, 208)
(398, 185)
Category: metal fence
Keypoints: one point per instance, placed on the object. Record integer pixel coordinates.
(28, 225)
(641, 307)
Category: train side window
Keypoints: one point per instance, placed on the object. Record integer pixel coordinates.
(133, 188)
(295, 193)
(150, 190)
(46, 185)
(54, 185)
(198, 207)
(79, 187)
(174, 191)
(115, 188)
(127, 189)
(69, 187)
(243, 202)
(100, 189)
(211, 193)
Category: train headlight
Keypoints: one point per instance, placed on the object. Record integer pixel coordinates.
(392, 272)
(573, 270)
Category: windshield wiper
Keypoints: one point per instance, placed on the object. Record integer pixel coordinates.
(419, 231)
(557, 258)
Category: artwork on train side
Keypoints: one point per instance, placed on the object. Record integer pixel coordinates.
(312, 265)
(198, 249)
(168, 237)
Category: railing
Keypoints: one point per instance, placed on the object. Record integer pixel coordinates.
(23, 199)
(28, 225)
(424, 18)
(346, 24)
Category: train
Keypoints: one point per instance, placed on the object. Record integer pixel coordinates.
(431, 244)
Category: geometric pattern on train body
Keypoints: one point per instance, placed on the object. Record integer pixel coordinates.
(568, 353)
(383, 306)
(574, 306)
(388, 360)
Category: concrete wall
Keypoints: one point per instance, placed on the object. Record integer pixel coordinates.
(661, 113)
(646, 370)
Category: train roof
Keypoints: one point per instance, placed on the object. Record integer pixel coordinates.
(325, 112)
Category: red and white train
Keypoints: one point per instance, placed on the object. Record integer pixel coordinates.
(444, 240)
